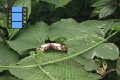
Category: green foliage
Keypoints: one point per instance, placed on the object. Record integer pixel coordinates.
(7, 77)
(11, 32)
(118, 66)
(37, 35)
(104, 7)
(100, 3)
(107, 10)
(3, 23)
(39, 57)
(63, 69)
(58, 3)
(116, 26)
(92, 45)
(2, 15)
(7, 55)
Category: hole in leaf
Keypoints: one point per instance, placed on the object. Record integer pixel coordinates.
(101, 28)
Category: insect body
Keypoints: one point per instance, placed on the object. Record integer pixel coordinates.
(55, 46)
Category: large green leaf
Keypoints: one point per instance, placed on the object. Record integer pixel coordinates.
(83, 37)
(7, 56)
(104, 51)
(59, 3)
(38, 57)
(100, 3)
(7, 77)
(107, 10)
(70, 29)
(30, 38)
(65, 70)
(89, 64)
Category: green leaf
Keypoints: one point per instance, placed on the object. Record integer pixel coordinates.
(7, 77)
(59, 3)
(39, 56)
(70, 29)
(116, 26)
(1, 39)
(7, 56)
(2, 15)
(89, 64)
(107, 51)
(96, 11)
(107, 10)
(80, 37)
(118, 66)
(65, 70)
(24, 3)
(3, 22)
(11, 32)
(104, 51)
(100, 3)
(92, 65)
(30, 38)
(4, 2)
(2, 34)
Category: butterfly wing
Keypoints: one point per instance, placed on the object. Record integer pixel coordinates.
(58, 46)
(44, 47)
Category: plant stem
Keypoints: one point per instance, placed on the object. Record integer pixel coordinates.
(54, 61)
(111, 36)
(46, 73)
(10, 67)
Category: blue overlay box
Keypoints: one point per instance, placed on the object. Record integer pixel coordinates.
(16, 16)
(16, 9)
(16, 24)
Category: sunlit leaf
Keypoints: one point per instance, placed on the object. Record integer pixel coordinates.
(7, 56)
(80, 37)
(30, 38)
(65, 70)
